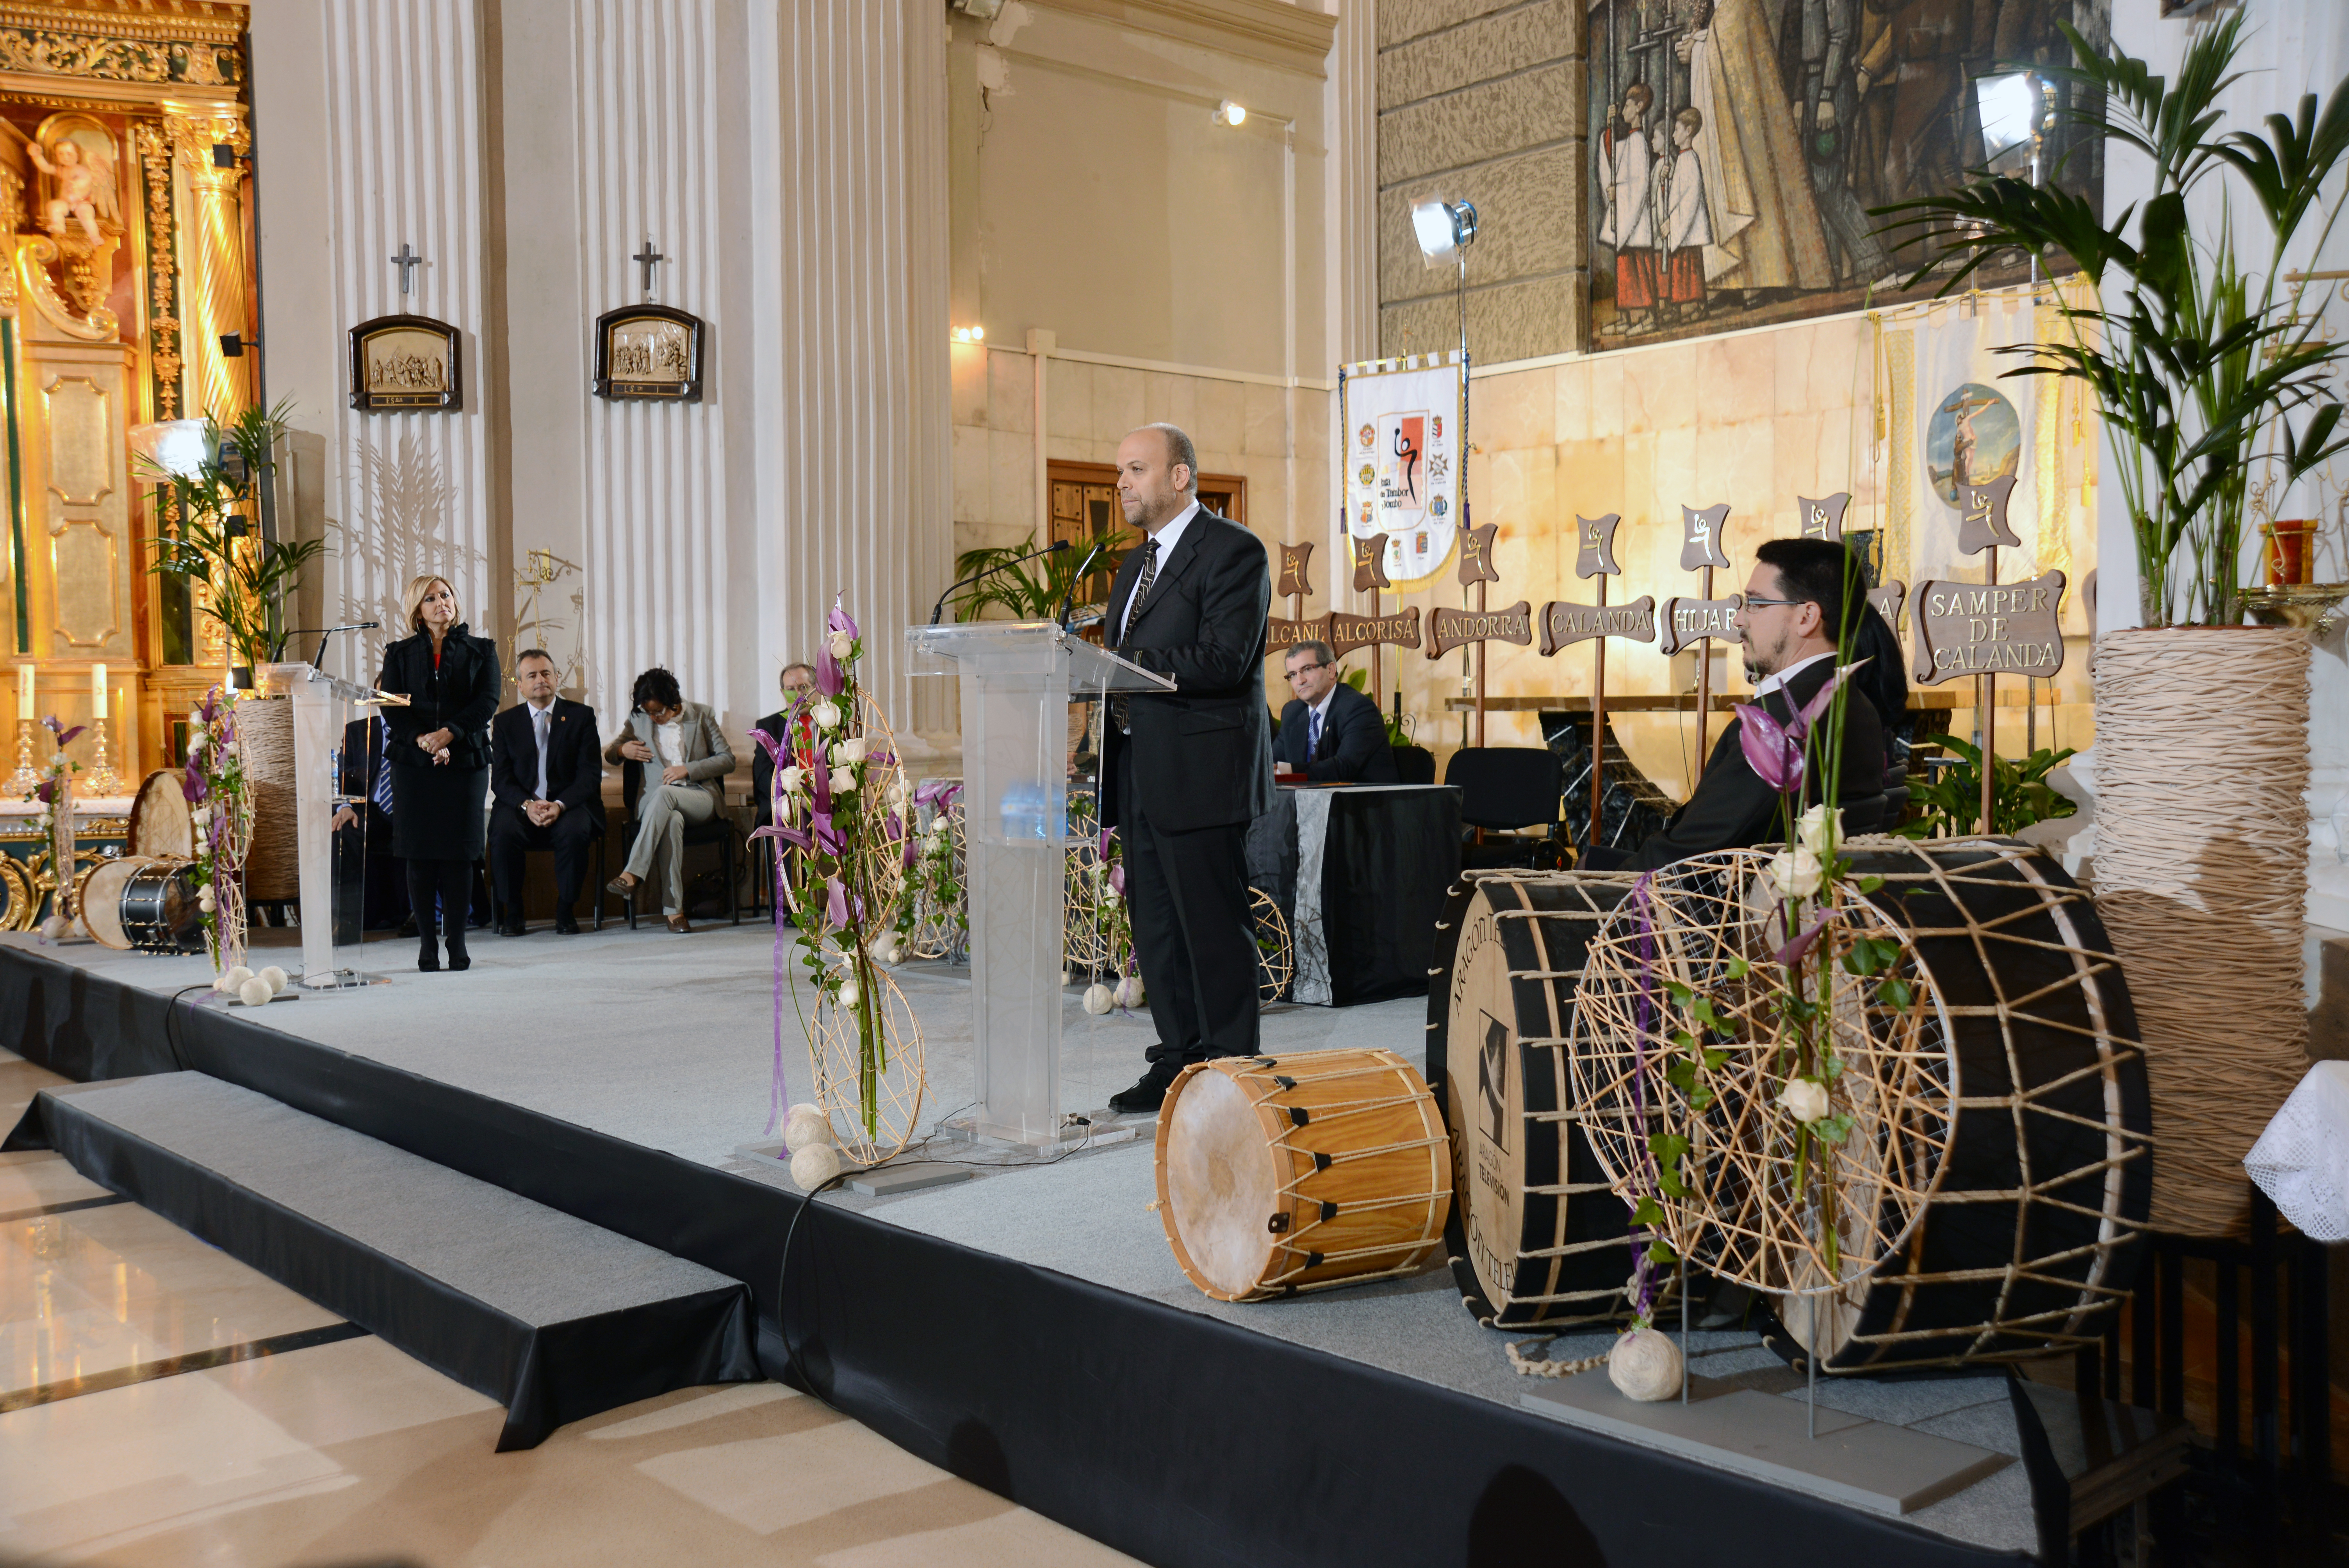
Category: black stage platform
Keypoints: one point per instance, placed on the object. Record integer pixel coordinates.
(1179, 1434)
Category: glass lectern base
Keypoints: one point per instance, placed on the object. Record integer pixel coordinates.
(341, 980)
(1079, 1129)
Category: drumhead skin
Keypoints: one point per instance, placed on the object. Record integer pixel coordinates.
(101, 901)
(159, 827)
(1536, 1237)
(1279, 1174)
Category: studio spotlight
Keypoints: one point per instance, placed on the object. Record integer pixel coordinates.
(970, 334)
(1231, 114)
(2009, 105)
(1444, 229)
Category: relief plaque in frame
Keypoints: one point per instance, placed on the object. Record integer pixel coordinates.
(650, 352)
(402, 364)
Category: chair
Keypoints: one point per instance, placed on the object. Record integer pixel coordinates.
(719, 831)
(1413, 765)
(1507, 788)
(497, 907)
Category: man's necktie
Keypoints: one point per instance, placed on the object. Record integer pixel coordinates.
(538, 723)
(381, 793)
(1133, 608)
(1313, 735)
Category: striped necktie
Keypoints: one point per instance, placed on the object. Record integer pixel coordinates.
(381, 793)
(1118, 708)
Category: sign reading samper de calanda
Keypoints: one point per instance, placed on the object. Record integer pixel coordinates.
(1980, 629)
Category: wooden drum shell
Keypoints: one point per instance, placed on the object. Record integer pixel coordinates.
(1292, 1173)
(1536, 1237)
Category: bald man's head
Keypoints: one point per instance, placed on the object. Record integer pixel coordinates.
(1157, 475)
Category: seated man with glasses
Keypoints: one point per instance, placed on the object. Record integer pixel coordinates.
(1330, 732)
(1794, 605)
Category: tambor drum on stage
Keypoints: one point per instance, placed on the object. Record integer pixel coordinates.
(135, 903)
(1279, 1174)
(160, 826)
(1536, 1237)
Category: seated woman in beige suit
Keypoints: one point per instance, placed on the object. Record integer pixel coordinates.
(686, 758)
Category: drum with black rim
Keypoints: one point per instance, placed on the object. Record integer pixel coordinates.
(138, 904)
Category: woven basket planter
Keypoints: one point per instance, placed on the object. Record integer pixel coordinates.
(265, 729)
(2201, 875)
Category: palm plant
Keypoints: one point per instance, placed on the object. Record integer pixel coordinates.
(1030, 591)
(246, 577)
(2199, 376)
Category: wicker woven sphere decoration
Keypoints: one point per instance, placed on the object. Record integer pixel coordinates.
(896, 1069)
(1759, 1208)
(941, 926)
(1276, 949)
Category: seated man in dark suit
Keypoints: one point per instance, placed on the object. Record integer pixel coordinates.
(370, 882)
(547, 783)
(799, 682)
(1330, 732)
(1795, 602)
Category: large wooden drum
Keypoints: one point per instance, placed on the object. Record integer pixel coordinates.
(1536, 1237)
(1279, 1174)
(133, 903)
(160, 826)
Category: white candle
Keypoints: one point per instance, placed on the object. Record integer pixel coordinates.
(24, 694)
(98, 691)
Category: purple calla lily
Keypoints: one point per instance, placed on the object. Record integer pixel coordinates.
(1774, 753)
(1117, 879)
(767, 744)
(788, 835)
(836, 903)
(940, 792)
(840, 620)
(1791, 953)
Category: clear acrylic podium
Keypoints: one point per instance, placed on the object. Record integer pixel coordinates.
(323, 710)
(1017, 678)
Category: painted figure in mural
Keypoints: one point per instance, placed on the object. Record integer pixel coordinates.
(83, 187)
(1826, 103)
(1626, 165)
(1752, 158)
(1688, 228)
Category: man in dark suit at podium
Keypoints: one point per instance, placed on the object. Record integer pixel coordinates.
(1330, 732)
(547, 783)
(1182, 772)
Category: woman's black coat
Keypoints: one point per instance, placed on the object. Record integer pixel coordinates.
(437, 812)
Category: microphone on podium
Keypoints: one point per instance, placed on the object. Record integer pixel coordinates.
(1057, 547)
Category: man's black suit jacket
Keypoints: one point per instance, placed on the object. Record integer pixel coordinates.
(1354, 748)
(1201, 754)
(1733, 808)
(574, 765)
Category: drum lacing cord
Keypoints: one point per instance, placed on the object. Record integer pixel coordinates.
(1529, 1368)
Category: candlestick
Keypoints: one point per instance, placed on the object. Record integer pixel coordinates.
(103, 779)
(98, 691)
(23, 781)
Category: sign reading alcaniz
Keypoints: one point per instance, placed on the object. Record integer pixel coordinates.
(1563, 624)
(1448, 629)
(1280, 633)
(1985, 629)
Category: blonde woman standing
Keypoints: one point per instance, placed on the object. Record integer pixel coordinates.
(439, 757)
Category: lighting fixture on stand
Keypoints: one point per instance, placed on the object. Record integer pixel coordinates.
(1445, 230)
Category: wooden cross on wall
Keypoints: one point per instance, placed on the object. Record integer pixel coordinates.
(407, 260)
(648, 259)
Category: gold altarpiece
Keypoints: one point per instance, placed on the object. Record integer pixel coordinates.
(127, 233)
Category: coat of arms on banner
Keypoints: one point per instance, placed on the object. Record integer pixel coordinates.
(1403, 462)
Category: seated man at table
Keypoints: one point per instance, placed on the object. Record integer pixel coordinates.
(548, 790)
(1793, 603)
(1330, 732)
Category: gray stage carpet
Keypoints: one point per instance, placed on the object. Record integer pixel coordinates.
(666, 1041)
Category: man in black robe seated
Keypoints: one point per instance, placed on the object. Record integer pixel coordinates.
(1795, 601)
(1330, 732)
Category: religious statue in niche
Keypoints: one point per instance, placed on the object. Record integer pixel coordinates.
(66, 193)
(649, 351)
(406, 363)
(1739, 144)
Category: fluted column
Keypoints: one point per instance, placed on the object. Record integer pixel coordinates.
(854, 462)
(214, 299)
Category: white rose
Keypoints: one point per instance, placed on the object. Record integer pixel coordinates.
(850, 750)
(843, 780)
(826, 714)
(200, 817)
(1817, 833)
(848, 992)
(1797, 871)
(1805, 1099)
(790, 778)
(206, 901)
(840, 643)
(228, 748)
(195, 742)
(885, 950)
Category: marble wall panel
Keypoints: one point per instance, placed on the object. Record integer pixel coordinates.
(1480, 50)
(1530, 109)
(1401, 21)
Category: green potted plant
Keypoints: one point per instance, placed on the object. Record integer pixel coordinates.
(2209, 378)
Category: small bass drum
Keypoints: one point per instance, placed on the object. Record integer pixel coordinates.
(134, 904)
(1280, 1174)
(1536, 1238)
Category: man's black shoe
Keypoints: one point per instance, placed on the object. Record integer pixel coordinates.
(407, 926)
(512, 928)
(1143, 1099)
(566, 925)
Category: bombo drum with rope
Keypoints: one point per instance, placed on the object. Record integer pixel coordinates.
(1279, 1174)
(1536, 1237)
(162, 827)
(142, 905)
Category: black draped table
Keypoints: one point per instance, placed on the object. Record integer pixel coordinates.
(1359, 872)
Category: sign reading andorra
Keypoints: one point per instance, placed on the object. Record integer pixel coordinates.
(1448, 629)
(1562, 625)
(1977, 629)
(1404, 422)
